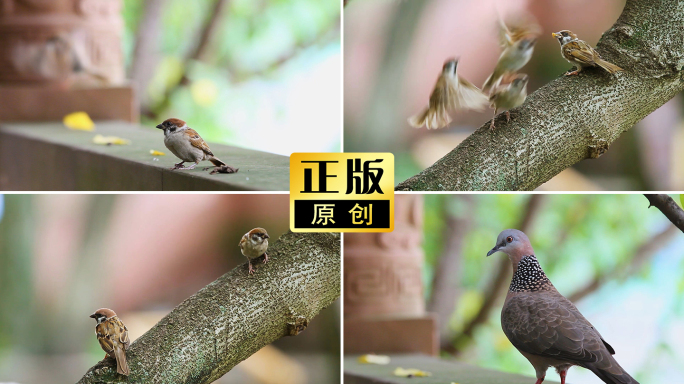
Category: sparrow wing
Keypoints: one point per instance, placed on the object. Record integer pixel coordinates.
(103, 337)
(580, 52)
(465, 95)
(197, 141)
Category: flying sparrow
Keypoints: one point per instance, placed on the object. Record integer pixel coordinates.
(113, 337)
(450, 93)
(517, 43)
(508, 93)
(186, 144)
(581, 54)
(254, 244)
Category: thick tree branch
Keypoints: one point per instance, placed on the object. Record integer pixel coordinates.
(574, 117)
(228, 320)
(669, 208)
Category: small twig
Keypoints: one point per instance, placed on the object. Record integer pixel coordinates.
(642, 254)
(669, 208)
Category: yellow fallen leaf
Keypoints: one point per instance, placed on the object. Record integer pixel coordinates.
(79, 120)
(156, 153)
(374, 359)
(110, 140)
(411, 372)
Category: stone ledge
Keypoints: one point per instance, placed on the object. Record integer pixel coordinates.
(443, 372)
(50, 157)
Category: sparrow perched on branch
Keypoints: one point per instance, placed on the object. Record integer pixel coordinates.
(186, 144)
(113, 337)
(451, 93)
(517, 43)
(508, 93)
(581, 54)
(254, 244)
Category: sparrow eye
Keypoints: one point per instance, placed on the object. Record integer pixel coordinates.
(509, 239)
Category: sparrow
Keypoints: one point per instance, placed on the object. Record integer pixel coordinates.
(186, 144)
(113, 337)
(450, 93)
(508, 93)
(254, 244)
(518, 44)
(581, 54)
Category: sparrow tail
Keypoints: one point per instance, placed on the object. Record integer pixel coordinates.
(610, 67)
(431, 118)
(491, 80)
(618, 376)
(217, 162)
(121, 363)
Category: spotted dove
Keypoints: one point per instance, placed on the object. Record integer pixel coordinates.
(545, 326)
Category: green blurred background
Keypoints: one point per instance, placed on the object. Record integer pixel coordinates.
(267, 76)
(619, 261)
(64, 256)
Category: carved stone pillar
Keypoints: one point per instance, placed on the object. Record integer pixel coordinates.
(384, 307)
(51, 50)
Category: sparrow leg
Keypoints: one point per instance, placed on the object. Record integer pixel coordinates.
(178, 166)
(539, 381)
(491, 126)
(191, 166)
(575, 72)
(251, 269)
(508, 116)
(562, 376)
(265, 258)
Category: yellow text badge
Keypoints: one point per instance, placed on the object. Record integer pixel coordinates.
(342, 192)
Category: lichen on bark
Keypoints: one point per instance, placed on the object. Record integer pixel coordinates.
(227, 321)
(576, 117)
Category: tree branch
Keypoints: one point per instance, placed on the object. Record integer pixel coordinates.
(230, 319)
(208, 30)
(669, 208)
(573, 117)
(642, 254)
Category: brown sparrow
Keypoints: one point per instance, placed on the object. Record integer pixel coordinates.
(508, 93)
(581, 54)
(517, 43)
(451, 93)
(186, 144)
(113, 337)
(254, 244)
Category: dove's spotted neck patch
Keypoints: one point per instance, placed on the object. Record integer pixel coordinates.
(529, 277)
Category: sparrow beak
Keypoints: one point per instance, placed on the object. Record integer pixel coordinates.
(92, 316)
(160, 126)
(493, 250)
(553, 34)
(267, 237)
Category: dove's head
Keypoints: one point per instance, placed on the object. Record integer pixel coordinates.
(514, 243)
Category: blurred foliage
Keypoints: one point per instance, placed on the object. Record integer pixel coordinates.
(576, 238)
(260, 63)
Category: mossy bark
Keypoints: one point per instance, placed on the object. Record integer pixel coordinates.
(230, 319)
(575, 117)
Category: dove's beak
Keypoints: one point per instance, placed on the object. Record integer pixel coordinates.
(493, 251)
